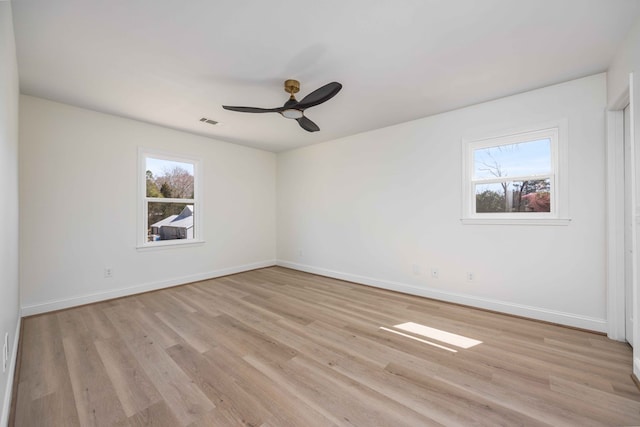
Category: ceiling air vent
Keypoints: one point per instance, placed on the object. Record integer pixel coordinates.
(211, 122)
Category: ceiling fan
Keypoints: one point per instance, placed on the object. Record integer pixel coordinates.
(294, 109)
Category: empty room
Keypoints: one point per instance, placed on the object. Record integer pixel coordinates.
(332, 213)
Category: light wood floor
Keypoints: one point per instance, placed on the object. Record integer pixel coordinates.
(276, 347)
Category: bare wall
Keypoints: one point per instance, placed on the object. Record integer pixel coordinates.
(78, 199)
(369, 207)
(9, 285)
(626, 60)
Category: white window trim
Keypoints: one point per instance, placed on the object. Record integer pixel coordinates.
(558, 131)
(141, 230)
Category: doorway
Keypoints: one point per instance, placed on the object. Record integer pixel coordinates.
(628, 228)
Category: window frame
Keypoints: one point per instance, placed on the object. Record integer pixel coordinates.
(143, 200)
(557, 133)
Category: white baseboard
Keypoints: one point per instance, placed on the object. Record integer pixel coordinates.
(636, 366)
(538, 313)
(563, 318)
(6, 405)
(62, 303)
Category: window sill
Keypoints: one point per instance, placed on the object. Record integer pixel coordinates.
(516, 221)
(169, 244)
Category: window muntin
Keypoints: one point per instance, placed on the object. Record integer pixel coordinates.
(513, 176)
(170, 206)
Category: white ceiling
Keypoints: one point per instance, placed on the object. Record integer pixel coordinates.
(172, 62)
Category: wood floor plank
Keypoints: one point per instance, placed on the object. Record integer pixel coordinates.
(352, 403)
(215, 417)
(202, 301)
(535, 407)
(439, 402)
(277, 347)
(95, 397)
(133, 388)
(243, 339)
(284, 405)
(45, 394)
(156, 415)
(608, 401)
(161, 333)
(52, 410)
(183, 398)
(216, 381)
(530, 391)
(183, 326)
(97, 323)
(42, 348)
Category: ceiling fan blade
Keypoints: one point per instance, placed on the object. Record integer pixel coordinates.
(320, 95)
(253, 109)
(307, 124)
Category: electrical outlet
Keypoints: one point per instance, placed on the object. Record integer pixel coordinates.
(434, 273)
(108, 272)
(5, 352)
(470, 277)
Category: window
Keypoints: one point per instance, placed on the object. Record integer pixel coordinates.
(514, 178)
(169, 203)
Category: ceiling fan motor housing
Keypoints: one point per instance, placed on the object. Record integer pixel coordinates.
(291, 86)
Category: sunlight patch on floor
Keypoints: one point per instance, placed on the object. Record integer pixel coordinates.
(418, 339)
(438, 334)
(434, 334)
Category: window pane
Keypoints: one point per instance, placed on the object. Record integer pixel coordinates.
(525, 158)
(169, 179)
(514, 196)
(169, 221)
(490, 198)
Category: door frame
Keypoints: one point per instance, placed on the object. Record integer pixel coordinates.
(616, 321)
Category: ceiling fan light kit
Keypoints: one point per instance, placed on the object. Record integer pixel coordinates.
(294, 109)
(292, 113)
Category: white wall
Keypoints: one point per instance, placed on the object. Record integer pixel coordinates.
(78, 200)
(9, 294)
(367, 207)
(627, 59)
